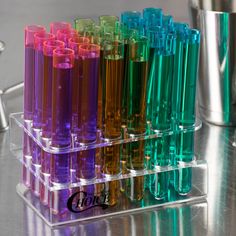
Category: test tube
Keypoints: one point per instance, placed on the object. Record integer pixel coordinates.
(55, 26)
(131, 18)
(112, 89)
(65, 34)
(185, 141)
(136, 117)
(152, 17)
(179, 62)
(167, 22)
(48, 48)
(82, 25)
(111, 117)
(28, 96)
(74, 44)
(63, 64)
(39, 39)
(78, 98)
(126, 35)
(89, 56)
(150, 95)
(161, 106)
(108, 20)
(130, 25)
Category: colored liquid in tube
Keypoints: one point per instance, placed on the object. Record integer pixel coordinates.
(63, 63)
(161, 120)
(29, 97)
(37, 119)
(112, 97)
(112, 106)
(161, 112)
(136, 111)
(137, 97)
(87, 108)
(29, 82)
(28, 111)
(48, 48)
(39, 39)
(185, 141)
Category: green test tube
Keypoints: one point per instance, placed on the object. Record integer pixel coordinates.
(105, 20)
(162, 79)
(186, 110)
(83, 25)
(136, 112)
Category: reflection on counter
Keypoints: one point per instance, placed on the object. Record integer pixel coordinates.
(215, 144)
(180, 220)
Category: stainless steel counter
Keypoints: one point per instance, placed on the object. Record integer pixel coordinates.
(216, 216)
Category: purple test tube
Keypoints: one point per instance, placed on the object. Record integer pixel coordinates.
(48, 48)
(63, 64)
(74, 44)
(39, 39)
(28, 96)
(89, 56)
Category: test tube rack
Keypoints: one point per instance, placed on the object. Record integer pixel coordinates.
(81, 203)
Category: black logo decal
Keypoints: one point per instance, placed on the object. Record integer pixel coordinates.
(81, 201)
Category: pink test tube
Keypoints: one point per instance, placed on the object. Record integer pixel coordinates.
(39, 39)
(48, 48)
(28, 96)
(65, 34)
(74, 44)
(63, 64)
(55, 26)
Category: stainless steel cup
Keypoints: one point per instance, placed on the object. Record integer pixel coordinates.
(216, 19)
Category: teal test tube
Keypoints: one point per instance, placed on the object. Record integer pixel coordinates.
(152, 17)
(162, 79)
(186, 114)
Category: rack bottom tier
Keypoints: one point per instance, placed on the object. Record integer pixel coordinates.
(82, 203)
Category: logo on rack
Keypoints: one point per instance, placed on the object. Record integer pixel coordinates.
(82, 201)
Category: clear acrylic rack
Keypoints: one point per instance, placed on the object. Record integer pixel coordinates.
(83, 200)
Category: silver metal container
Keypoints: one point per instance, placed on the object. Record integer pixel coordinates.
(216, 19)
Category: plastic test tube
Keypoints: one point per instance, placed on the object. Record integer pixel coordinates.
(28, 95)
(55, 26)
(112, 98)
(180, 59)
(48, 48)
(63, 64)
(130, 25)
(65, 34)
(108, 20)
(82, 25)
(88, 56)
(152, 17)
(136, 111)
(186, 118)
(39, 39)
(74, 44)
(131, 18)
(161, 106)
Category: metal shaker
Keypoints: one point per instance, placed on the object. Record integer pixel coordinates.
(216, 19)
